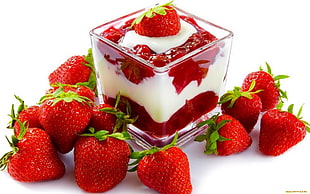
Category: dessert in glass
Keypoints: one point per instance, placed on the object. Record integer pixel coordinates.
(171, 82)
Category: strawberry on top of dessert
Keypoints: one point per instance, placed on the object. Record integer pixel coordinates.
(158, 21)
(160, 35)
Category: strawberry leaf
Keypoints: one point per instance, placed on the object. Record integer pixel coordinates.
(201, 138)
(103, 135)
(221, 138)
(122, 119)
(212, 135)
(4, 160)
(59, 95)
(277, 78)
(236, 93)
(13, 114)
(92, 80)
(290, 109)
(139, 155)
(160, 9)
(121, 136)
(206, 122)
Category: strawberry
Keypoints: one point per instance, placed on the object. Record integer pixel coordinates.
(164, 170)
(33, 158)
(65, 113)
(106, 117)
(27, 115)
(101, 120)
(101, 160)
(271, 93)
(159, 21)
(76, 70)
(281, 130)
(224, 136)
(245, 106)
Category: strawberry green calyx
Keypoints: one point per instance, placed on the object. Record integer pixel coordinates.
(290, 109)
(4, 160)
(103, 135)
(276, 78)
(14, 114)
(122, 119)
(139, 155)
(212, 135)
(236, 93)
(61, 95)
(92, 81)
(160, 9)
(89, 59)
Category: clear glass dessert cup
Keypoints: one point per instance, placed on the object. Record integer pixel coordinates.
(167, 99)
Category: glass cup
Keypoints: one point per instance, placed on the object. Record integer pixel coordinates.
(170, 98)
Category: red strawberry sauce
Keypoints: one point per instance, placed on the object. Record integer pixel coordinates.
(193, 68)
(191, 111)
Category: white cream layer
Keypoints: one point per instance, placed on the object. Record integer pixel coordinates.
(159, 44)
(157, 94)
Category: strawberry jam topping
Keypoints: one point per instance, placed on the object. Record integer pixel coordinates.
(191, 111)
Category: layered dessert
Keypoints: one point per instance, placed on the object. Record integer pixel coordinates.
(168, 64)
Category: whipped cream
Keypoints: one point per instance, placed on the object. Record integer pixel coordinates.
(159, 44)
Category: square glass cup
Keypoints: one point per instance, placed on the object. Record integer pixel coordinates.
(167, 99)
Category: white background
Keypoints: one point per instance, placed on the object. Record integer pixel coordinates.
(37, 36)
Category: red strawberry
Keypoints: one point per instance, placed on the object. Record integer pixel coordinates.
(77, 69)
(271, 93)
(281, 130)
(101, 120)
(159, 21)
(29, 116)
(224, 136)
(101, 160)
(64, 114)
(245, 106)
(106, 117)
(165, 170)
(33, 158)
